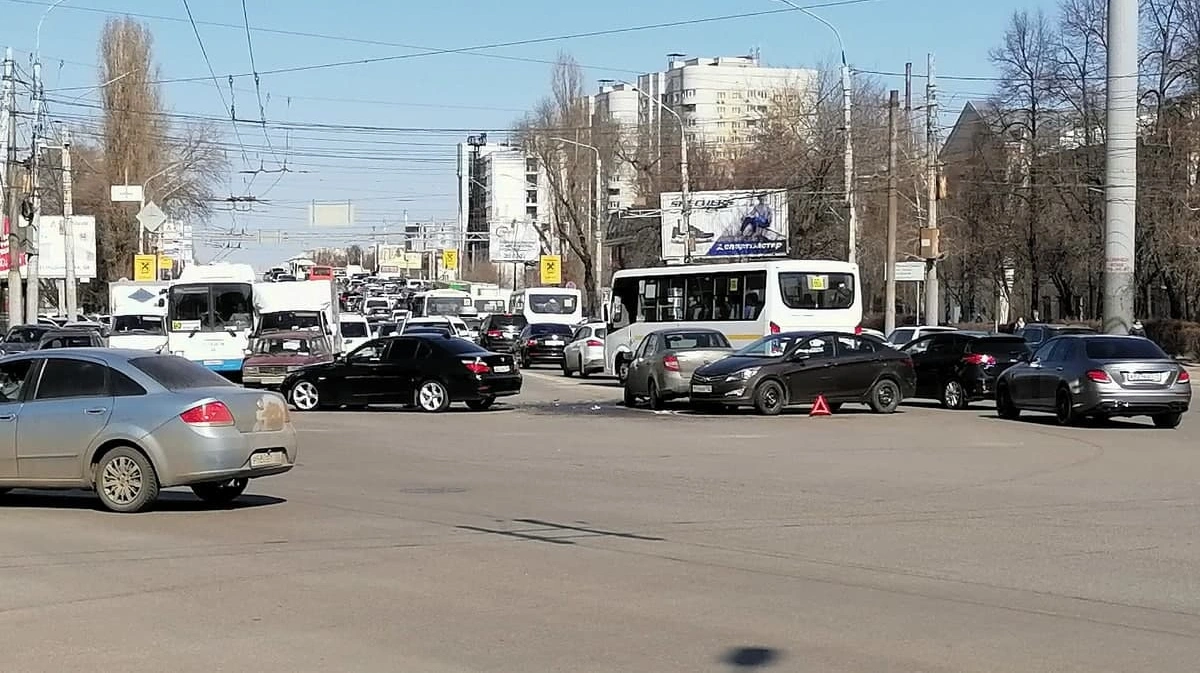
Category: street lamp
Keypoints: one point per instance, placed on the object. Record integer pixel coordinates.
(683, 163)
(598, 256)
(848, 152)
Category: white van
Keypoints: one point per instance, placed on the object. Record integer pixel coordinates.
(355, 331)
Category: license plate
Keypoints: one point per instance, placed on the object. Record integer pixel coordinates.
(554, 342)
(212, 363)
(1143, 377)
(266, 459)
(701, 389)
(500, 369)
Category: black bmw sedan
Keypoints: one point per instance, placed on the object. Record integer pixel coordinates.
(796, 367)
(428, 372)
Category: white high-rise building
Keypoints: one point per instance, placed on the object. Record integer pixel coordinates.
(616, 106)
(719, 100)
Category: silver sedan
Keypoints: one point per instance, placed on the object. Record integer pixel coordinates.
(1097, 376)
(127, 423)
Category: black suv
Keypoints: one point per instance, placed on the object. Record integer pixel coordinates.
(957, 369)
(498, 332)
(1038, 333)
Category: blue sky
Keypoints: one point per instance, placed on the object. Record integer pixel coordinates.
(414, 170)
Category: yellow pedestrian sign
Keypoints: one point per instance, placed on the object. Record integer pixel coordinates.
(551, 269)
(450, 259)
(145, 267)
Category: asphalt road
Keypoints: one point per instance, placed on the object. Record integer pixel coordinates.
(564, 533)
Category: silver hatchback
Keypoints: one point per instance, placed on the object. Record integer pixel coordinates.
(127, 423)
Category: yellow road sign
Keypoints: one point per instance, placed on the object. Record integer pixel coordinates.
(551, 269)
(165, 263)
(145, 267)
(450, 259)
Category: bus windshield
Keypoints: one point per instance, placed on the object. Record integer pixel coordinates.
(445, 305)
(210, 308)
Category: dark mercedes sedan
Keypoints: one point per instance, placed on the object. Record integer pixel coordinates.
(1096, 376)
(543, 343)
(796, 367)
(428, 372)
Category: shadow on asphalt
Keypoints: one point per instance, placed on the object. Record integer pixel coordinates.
(1048, 420)
(751, 657)
(168, 501)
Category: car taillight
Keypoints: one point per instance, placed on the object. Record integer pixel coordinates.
(980, 359)
(775, 328)
(1183, 377)
(531, 342)
(209, 414)
(858, 329)
(908, 362)
(671, 363)
(495, 333)
(1098, 375)
(594, 343)
(476, 367)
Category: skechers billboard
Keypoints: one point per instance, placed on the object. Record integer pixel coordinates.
(728, 223)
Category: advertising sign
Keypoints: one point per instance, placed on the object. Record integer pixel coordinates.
(395, 259)
(513, 241)
(910, 272)
(727, 223)
(450, 259)
(551, 267)
(51, 244)
(145, 267)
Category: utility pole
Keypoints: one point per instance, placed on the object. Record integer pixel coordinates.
(68, 229)
(8, 99)
(929, 237)
(848, 163)
(33, 298)
(1120, 179)
(889, 315)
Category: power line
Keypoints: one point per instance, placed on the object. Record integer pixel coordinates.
(213, 75)
(526, 41)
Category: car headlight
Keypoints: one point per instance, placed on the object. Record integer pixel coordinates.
(742, 374)
(249, 370)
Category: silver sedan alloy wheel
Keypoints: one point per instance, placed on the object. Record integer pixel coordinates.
(305, 396)
(121, 480)
(432, 396)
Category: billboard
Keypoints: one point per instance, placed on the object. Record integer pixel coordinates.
(727, 223)
(513, 241)
(331, 214)
(51, 258)
(395, 259)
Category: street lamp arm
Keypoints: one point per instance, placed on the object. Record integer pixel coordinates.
(830, 26)
(37, 48)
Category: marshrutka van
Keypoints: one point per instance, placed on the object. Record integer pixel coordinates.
(743, 300)
(210, 315)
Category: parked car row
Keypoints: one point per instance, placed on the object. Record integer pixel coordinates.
(1075, 375)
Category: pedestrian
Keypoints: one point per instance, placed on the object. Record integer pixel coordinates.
(1137, 328)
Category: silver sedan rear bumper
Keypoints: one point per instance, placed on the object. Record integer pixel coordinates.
(1091, 400)
(184, 455)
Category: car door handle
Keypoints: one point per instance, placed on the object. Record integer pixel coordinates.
(1058, 369)
(96, 411)
(7, 417)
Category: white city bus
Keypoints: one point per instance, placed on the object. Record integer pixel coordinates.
(210, 314)
(549, 304)
(743, 300)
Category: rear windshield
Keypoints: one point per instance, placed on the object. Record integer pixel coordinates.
(998, 346)
(461, 347)
(551, 328)
(692, 340)
(176, 373)
(507, 320)
(25, 335)
(1120, 348)
(354, 330)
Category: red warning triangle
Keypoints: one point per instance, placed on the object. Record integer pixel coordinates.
(820, 407)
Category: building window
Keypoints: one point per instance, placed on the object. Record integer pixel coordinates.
(689, 93)
(531, 197)
(531, 212)
(691, 122)
(721, 110)
(737, 109)
(531, 165)
(720, 95)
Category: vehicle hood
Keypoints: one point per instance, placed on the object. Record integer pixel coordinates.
(732, 364)
(288, 360)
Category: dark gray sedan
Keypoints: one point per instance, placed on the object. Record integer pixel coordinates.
(1096, 376)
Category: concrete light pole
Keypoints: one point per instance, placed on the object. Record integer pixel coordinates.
(1120, 172)
(847, 138)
